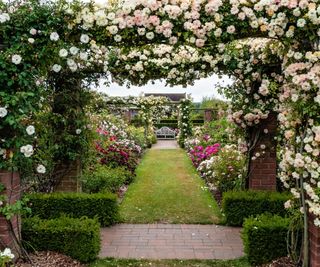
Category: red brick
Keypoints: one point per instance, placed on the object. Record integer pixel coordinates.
(12, 184)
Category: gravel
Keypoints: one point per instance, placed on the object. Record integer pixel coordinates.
(49, 259)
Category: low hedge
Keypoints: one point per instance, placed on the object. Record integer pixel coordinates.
(238, 205)
(77, 238)
(102, 206)
(264, 238)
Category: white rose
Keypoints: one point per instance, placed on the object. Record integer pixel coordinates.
(74, 50)
(54, 36)
(27, 150)
(78, 131)
(56, 68)
(33, 31)
(231, 29)
(41, 169)
(84, 38)
(63, 52)
(7, 253)
(30, 130)
(31, 40)
(4, 17)
(117, 38)
(83, 55)
(301, 23)
(3, 112)
(16, 59)
(150, 35)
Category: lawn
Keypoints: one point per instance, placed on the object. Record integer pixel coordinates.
(168, 189)
(170, 263)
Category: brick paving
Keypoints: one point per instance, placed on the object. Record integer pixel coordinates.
(171, 241)
(166, 144)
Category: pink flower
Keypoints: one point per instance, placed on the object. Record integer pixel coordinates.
(199, 42)
(154, 20)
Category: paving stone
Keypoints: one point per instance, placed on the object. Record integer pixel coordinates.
(171, 241)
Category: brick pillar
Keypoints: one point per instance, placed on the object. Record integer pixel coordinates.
(314, 242)
(70, 181)
(127, 115)
(11, 182)
(263, 170)
(208, 115)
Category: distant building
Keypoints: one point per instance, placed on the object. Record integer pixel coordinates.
(173, 97)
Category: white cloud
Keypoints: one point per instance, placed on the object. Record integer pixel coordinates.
(201, 88)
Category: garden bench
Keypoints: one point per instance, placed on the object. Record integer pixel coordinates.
(165, 133)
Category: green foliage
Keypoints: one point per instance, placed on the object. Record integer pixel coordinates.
(105, 179)
(264, 238)
(77, 238)
(104, 206)
(238, 205)
(222, 131)
(137, 134)
(214, 103)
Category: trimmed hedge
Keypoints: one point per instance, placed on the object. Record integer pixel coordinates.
(102, 206)
(238, 205)
(77, 238)
(264, 238)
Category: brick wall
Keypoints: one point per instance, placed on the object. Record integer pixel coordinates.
(263, 170)
(208, 115)
(314, 243)
(70, 181)
(11, 181)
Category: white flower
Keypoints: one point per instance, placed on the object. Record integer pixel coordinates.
(33, 31)
(301, 23)
(54, 36)
(56, 67)
(117, 38)
(4, 17)
(7, 253)
(84, 38)
(78, 131)
(41, 169)
(16, 59)
(74, 50)
(27, 150)
(83, 55)
(231, 29)
(3, 112)
(63, 52)
(30, 130)
(150, 35)
(31, 40)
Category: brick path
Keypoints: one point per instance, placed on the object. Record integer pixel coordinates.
(171, 241)
(165, 144)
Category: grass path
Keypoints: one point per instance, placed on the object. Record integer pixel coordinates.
(167, 189)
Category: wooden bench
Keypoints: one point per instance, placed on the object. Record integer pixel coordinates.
(165, 133)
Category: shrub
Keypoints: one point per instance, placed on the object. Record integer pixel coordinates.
(264, 238)
(238, 205)
(137, 134)
(77, 238)
(105, 179)
(104, 206)
(225, 170)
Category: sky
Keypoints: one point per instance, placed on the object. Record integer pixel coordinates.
(201, 88)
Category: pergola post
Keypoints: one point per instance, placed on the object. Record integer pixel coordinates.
(263, 168)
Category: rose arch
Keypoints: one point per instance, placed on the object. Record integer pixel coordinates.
(51, 51)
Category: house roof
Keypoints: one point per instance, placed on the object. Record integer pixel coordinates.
(172, 97)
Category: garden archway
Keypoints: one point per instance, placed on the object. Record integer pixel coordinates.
(87, 39)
